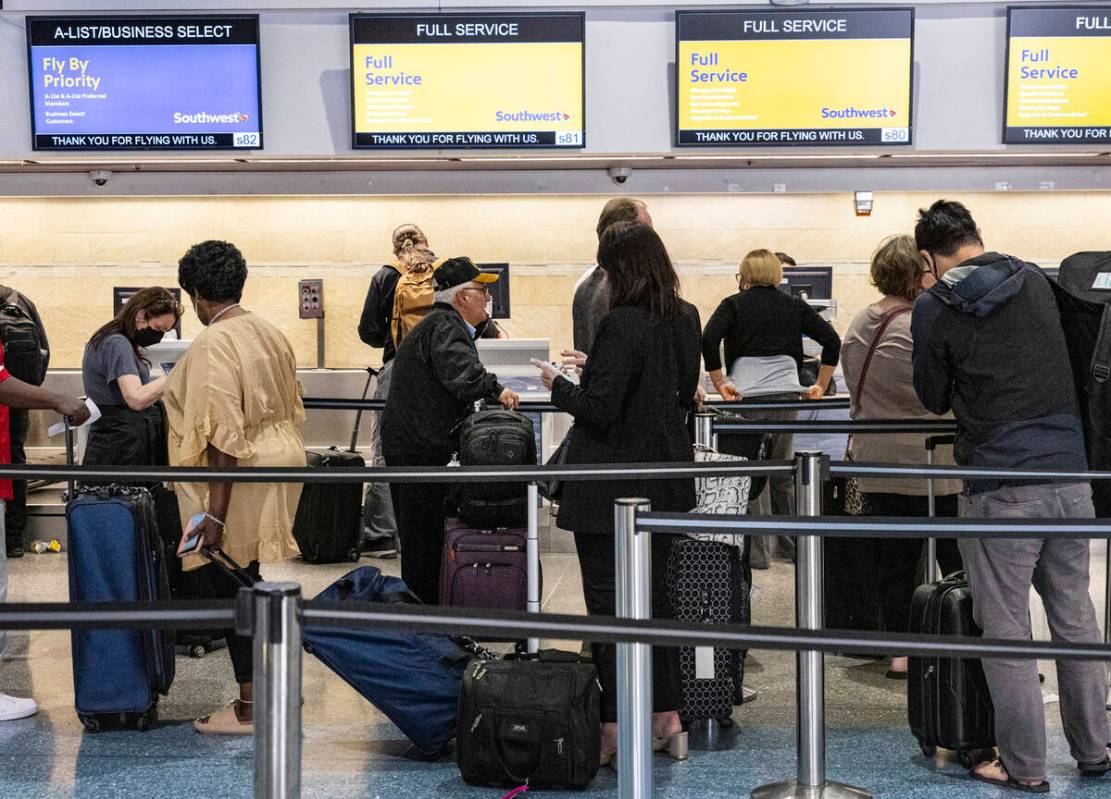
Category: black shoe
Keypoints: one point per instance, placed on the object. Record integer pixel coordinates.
(1095, 769)
(379, 546)
(15, 550)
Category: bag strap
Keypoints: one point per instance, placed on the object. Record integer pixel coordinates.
(1101, 355)
(887, 320)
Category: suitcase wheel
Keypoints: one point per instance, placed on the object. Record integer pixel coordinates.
(144, 722)
(91, 724)
(929, 750)
(353, 555)
(198, 651)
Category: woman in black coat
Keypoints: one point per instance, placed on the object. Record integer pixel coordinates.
(630, 407)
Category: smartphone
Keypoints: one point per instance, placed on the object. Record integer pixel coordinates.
(191, 544)
(544, 365)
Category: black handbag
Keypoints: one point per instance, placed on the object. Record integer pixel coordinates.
(529, 720)
(552, 489)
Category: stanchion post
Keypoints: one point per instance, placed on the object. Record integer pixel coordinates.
(634, 661)
(704, 429)
(277, 690)
(931, 500)
(532, 552)
(811, 782)
(70, 457)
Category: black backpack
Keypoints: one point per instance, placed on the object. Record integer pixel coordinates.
(495, 438)
(1086, 320)
(24, 346)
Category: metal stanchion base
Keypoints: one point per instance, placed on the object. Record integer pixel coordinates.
(710, 735)
(792, 790)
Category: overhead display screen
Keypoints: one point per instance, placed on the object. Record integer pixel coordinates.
(145, 82)
(1058, 75)
(794, 78)
(510, 81)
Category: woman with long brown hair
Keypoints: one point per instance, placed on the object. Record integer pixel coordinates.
(631, 407)
(131, 430)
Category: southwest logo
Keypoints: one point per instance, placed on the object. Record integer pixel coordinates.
(205, 118)
(531, 116)
(857, 113)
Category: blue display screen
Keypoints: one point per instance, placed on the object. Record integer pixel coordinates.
(145, 83)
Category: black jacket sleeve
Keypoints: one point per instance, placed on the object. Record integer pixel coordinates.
(457, 366)
(374, 324)
(933, 380)
(720, 325)
(821, 331)
(613, 363)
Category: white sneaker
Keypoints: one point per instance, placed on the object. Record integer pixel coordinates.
(14, 707)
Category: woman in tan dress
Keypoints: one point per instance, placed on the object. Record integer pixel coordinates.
(233, 400)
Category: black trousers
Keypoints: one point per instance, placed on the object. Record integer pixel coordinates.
(240, 649)
(897, 568)
(419, 509)
(15, 512)
(596, 560)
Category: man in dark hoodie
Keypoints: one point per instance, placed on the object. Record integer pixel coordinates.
(988, 345)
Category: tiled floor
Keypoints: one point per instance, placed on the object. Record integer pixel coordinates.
(351, 751)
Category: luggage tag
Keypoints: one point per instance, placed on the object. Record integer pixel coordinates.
(516, 791)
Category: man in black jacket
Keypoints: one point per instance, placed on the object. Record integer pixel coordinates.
(988, 344)
(437, 377)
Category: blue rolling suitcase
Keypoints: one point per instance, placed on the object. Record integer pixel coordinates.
(116, 555)
(413, 677)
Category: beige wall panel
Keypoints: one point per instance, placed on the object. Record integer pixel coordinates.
(67, 253)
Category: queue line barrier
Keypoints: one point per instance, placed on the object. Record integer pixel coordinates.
(273, 612)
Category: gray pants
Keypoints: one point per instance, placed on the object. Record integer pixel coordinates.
(1000, 573)
(378, 514)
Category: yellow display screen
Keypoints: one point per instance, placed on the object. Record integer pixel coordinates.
(794, 78)
(512, 81)
(1058, 76)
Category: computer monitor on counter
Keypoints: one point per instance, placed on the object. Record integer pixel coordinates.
(814, 284)
(165, 354)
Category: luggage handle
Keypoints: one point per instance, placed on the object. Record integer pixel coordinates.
(228, 566)
(536, 746)
(371, 373)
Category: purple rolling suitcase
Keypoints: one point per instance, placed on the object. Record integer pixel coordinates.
(484, 568)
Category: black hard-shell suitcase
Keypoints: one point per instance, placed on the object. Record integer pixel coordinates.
(707, 586)
(495, 438)
(183, 585)
(115, 555)
(329, 517)
(948, 703)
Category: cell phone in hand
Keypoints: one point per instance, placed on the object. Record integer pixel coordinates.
(191, 543)
(544, 366)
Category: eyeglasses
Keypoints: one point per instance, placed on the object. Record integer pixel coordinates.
(483, 289)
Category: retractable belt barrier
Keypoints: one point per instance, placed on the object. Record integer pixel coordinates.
(274, 613)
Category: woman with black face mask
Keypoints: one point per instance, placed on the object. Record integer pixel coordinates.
(132, 428)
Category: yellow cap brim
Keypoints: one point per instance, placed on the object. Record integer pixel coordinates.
(487, 277)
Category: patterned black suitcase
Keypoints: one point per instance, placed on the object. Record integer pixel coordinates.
(707, 585)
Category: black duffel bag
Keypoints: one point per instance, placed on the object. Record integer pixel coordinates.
(529, 719)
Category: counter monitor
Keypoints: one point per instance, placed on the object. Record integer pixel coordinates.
(145, 82)
(449, 81)
(1058, 75)
(794, 78)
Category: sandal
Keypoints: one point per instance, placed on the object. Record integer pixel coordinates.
(225, 722)
(1010, 782)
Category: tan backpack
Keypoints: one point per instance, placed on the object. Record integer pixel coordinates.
(412, 299)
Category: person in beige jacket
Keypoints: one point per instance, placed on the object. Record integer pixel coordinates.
(876, 359)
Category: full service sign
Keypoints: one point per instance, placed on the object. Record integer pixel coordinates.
(145, 83)
(798, 78)
(1058, 75)
(465, 80)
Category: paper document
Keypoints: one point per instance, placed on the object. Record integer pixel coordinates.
(60, 427)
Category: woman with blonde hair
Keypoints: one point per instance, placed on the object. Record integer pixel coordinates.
(762, 328)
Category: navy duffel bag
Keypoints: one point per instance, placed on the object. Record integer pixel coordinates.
(412, 677)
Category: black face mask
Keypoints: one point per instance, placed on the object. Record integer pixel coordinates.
(148, 336)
